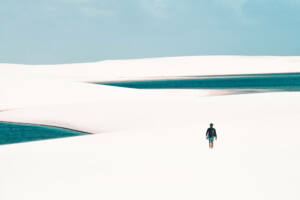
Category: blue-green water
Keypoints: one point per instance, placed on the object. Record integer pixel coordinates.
(14, 132)
(280, 81)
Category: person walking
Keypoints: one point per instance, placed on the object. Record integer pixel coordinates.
(211, 134)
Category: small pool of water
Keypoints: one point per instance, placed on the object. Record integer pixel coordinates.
(16, 132)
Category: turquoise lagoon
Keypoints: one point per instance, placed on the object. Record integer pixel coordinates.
(17, 132)
(279, 81)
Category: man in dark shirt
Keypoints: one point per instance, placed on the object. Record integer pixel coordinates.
(211, 134)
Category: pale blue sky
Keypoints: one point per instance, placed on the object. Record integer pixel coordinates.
(69, 31)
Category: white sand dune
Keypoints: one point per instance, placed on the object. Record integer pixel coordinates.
(151, 143)
(23, 86)
(156, 67)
